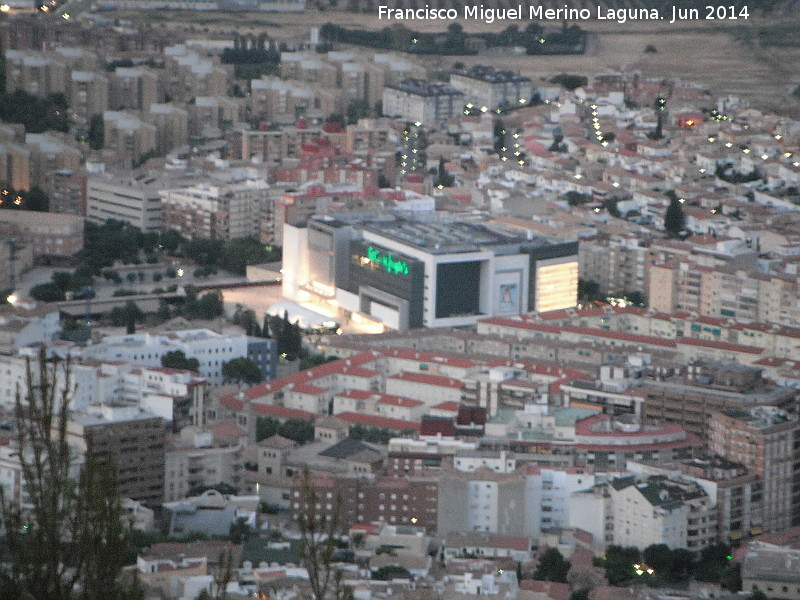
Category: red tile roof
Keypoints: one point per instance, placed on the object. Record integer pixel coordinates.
(375, 421)
(450, 406)
(307, 388)
(728, 346)
(428, 357)
(435, 380)
(398, 401)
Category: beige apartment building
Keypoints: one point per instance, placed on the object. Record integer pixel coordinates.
(172, 126)
(88, 95)
(277, 100)
(50, 152)
(764, 439)
(37, 73)
(222, 211)
(128, 135)
(723, 291)
(133, 87)
(188, 74)
(15, 165)
(209, 115)
(50, 234)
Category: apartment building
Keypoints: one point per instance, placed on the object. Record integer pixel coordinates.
(419, 101)
(616, 263)
(764, 439)
(172, 126)
(15, 165)
(49, 152)
(211, 210)
(691, 401)
(275, 100)
(395, 501)
(735, 492)
(486, 499)
(132, 439)
(88, 95)
(661, 511)
(129, 136)
(724, 292)
(133, 88)
(49, 234)
(67, 191)
(203, 457)
(490, 88)
(210, 115)
(37, 73)
(188, 74)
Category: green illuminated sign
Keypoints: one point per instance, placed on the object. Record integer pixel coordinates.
(387, 261)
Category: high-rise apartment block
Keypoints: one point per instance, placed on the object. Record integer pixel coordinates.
(765, 439)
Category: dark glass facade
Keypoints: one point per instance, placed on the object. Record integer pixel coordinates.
(390, 272)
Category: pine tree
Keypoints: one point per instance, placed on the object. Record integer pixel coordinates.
(444, 178)
(674, 218)
(265, 332)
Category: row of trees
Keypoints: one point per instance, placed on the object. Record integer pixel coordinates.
(295, 429)
(713, 565)
(37, 114)
(231, 255)
(289, 336)
(32, 199)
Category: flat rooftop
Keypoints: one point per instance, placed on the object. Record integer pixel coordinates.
(420, 87)
(492, 75)
(443, 236)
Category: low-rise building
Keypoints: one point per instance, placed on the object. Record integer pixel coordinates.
(135, 201)
(772, 570)
(49, 234)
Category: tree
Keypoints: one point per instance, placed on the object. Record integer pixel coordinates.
(296, 429)
(130, 325)
(571, 82)
(69, 534)
(619, 563)
(390, 572)
(176, 359)
(444, 178)
(240, 531)
(658, 132)
(499, 135)
(674, 218)
(266, 427)
(47, 292)
(96, 133)
(659, 558)
(552, 567)
(242, 370)
(581, 594)
(318, 534)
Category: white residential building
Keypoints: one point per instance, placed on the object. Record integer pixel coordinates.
(133, 201)
(209, 348)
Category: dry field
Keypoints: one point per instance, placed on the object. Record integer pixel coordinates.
(726, 57)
